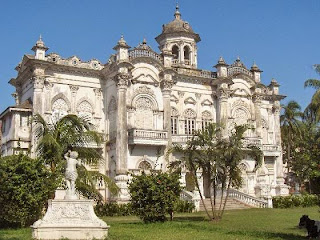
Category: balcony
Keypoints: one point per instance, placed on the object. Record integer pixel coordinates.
(181, 139)
(147, 137)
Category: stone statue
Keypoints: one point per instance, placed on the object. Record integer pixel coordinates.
(71, 174)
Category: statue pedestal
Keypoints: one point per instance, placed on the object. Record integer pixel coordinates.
(72, 219)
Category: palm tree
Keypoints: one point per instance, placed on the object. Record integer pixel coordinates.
(219, 161)
(312, 111)
(72, 133)
(290, 120)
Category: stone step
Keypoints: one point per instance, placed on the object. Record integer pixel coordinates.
(230, 205)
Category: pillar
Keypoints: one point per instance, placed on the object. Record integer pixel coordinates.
(223, 94)
(122, 177)
(257, 107)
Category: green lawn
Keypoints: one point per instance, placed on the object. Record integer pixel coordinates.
(252, 224)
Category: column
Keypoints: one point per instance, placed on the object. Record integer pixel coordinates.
(98, 109)
(257, 107)
(73, 90)
(222, 117)
(277, 132)
(166, 86)
(122, 124)
(38, 85)
(122, 178)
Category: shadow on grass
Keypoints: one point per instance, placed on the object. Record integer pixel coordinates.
(267, 235)
(190, 218)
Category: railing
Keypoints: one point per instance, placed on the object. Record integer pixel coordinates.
(144, 53)
(191, 197)
(235, 70)
(152, 137)
(248, 199)
(269, 147)
(252, 141)
(187, 62)
(181, 138)
(175, 61)
(196, 72)
(148, 134)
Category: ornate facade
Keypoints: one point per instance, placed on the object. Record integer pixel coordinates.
(144, 101)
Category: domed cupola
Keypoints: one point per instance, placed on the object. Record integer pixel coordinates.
(180, 41)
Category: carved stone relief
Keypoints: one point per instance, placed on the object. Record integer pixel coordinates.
(189, 113)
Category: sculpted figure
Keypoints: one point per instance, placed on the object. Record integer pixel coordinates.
(71, 173)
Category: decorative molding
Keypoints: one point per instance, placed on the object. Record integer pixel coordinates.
(189, 113)
(190, 100)
(174, 99)
(206, 115)
(97, 91)
(143, 90)
(180, 94)
(206, 102)
(174, 112)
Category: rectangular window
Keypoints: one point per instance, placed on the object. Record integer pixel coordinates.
(174, 125)
(204, 124)
(189, 126)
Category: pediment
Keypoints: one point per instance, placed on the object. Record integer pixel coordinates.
(206, 102)
(173, 98)
(145, 78)
(190, 100)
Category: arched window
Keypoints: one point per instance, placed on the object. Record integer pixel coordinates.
(175, 52)
(145, 165)
(85, 111)
(59, 109)
(186, 51)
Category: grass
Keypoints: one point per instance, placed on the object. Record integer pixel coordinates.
(252, 224)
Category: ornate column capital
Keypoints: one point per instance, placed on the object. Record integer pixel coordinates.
(256, 98)
(166, 86)
(38, 82)
(223, 93)
(48, 85)
(122, 80)
(73, 89)
(97, 92)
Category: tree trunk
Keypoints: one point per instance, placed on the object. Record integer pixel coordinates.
(225, 201)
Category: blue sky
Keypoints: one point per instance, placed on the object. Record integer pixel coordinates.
(281, 36)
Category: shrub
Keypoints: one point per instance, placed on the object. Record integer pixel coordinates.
(154, 195)
(25, 185)
(306, 200)
(182, 206)
(113, 209)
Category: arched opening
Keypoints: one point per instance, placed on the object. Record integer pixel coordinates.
(175, 52)
(186, 51)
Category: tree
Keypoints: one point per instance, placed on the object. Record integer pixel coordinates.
(25, 185)
(154, 195)
(76, 134)
(306, 155)
(312, 111)
(290, 120)
(219, 160)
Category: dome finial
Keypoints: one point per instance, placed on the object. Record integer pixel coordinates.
(177, 14)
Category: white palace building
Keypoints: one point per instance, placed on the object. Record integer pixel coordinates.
(143, 101)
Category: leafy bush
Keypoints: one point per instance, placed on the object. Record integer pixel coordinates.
(25, 185)
(306, 200)
(154, 195)
(113, 209)
(182, 206)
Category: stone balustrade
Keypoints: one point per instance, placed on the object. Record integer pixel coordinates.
(191, 197)
(181, 138)
(196, 72)
(151, 137)
(136, 53)
(248, 199)
(235, 70)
